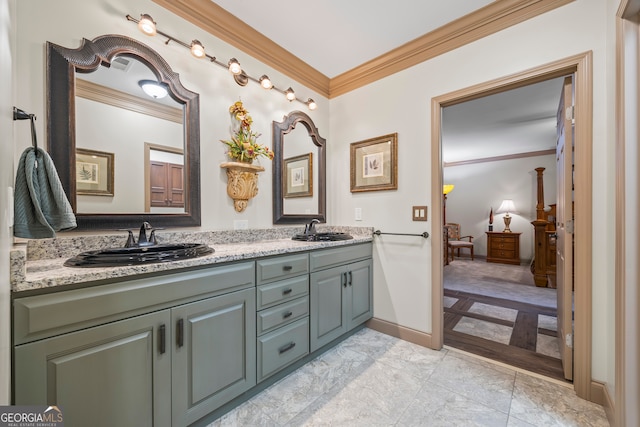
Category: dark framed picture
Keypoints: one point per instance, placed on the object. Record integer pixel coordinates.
(94, 172)
(298, 176)
(374, 164)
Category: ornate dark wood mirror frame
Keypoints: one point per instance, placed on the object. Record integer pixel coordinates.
(61, 125)
(280, 129)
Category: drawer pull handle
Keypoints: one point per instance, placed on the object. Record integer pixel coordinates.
(344, 281)
(287, 315)
(162, 336)
(287, 268)
(350, 278)
(286, 348)
(287, 291)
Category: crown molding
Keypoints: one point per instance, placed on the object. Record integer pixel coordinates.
(116, 98)
(551, 151)
(225, 26)
(490, 19)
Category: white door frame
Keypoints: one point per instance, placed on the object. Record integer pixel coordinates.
(581, 66)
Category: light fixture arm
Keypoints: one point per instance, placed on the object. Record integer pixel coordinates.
(241, 81)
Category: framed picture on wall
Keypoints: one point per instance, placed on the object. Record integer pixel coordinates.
(374, 164)
(298, 176)
(94, 172)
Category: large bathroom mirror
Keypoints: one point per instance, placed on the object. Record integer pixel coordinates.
(299, 177)
(123, 156)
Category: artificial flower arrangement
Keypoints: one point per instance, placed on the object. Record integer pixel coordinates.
(243, 145)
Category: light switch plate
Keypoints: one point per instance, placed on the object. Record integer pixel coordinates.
(419, 213)
(357, 214)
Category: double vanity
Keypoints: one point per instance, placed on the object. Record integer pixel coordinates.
(179, 343)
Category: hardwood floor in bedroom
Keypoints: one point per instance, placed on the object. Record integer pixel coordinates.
(495, 311)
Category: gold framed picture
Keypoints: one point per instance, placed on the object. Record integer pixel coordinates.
(94, 172)
(374, 164)
(298, 176)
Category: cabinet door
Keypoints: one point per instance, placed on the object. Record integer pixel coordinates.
(117, 374)
(214, 357)
(327, 314)
(359, 293)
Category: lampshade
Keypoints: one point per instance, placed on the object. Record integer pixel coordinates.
(153, 88)
(507, 207)
(447, 188)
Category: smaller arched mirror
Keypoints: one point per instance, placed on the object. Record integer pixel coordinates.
(299, 177)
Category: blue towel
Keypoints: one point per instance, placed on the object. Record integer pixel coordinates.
(41, 207)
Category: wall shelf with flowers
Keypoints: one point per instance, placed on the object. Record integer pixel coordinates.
(243, 149)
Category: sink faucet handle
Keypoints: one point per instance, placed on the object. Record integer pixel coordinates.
(131, 241)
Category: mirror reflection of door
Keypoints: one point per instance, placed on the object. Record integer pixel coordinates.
(114, 115)
(299, 143)
(164, 179)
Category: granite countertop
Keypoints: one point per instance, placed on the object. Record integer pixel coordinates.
(39, 264)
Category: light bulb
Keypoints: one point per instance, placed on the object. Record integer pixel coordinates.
(197, 49)
(312, 104)
(265, 82)
(234, 66)
(147, 25)
(290, 94)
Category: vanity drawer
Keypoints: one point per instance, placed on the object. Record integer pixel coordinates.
(282, 314)
(325, 258)
(284, 290)
(272, 269)
(281, 347)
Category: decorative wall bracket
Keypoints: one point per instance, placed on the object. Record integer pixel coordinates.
(242, 182)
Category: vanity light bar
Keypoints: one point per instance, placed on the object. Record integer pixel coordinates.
(148, 26)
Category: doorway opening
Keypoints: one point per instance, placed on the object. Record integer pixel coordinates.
(499, 157)
(580, 67)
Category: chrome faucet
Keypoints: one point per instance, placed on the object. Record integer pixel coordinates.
(143, 240)
(311, 227)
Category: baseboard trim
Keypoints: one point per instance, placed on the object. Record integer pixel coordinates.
(401, 332)
(600, 395)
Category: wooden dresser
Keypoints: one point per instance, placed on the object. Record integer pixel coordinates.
(503, 248)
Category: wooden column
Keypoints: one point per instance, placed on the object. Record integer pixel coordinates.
(539, 268)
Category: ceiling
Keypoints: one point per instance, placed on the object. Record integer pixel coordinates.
(334, 36)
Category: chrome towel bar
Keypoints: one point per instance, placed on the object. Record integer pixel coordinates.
(425, 234)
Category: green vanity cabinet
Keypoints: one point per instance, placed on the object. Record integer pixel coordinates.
(158, 351)
(282, 312)
(118, 374)
(214, 353)
(341, 292)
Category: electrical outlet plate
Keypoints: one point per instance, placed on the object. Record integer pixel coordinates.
(419, 213)
(358, 214)
(240, 224)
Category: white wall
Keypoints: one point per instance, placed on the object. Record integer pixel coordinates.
(39, 22)
(126, 142)
(401, 103)
(481, 186)
(6, 181)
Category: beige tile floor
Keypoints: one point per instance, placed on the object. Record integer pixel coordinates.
(372, 379)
